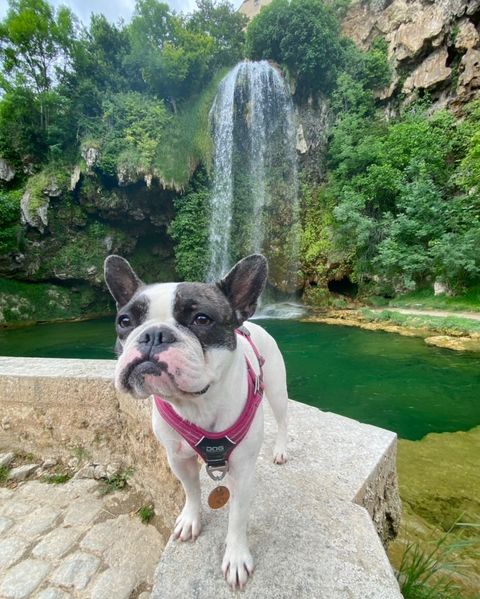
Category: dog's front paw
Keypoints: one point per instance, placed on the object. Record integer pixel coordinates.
(237, 566)
(188, 525)
(279, 455)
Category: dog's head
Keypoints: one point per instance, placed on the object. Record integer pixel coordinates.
(174, 339)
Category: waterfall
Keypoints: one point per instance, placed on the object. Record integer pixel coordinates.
(254, 203)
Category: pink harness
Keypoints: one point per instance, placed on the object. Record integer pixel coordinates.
(215, 448)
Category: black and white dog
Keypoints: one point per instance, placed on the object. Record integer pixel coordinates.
(179, 341)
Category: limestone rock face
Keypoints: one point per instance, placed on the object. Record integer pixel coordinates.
(467, 36)
(429, 73)
(34, 213)
(75, 178)
(425, 39)
(91, 156)
(410, 38)
(470, 70)
(7, 172)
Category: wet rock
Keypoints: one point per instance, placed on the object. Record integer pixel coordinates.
(301, 143)
(454, 343)
(7, 172)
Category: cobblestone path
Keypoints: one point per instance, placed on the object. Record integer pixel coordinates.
(69, 540)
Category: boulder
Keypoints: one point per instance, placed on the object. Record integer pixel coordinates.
(7, 172)
(441, 288)
(430, 72)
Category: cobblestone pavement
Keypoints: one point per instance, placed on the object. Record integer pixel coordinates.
(69, 540)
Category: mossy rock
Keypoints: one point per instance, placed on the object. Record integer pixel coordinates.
(24, 303)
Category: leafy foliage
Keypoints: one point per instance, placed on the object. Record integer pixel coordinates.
(304, 35)
(398, 209)
(189, 229)
(10, 229)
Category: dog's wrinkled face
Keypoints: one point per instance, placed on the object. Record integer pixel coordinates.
(174, 338)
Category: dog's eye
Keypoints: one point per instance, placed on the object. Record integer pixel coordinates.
(124, 321)
(202, 319)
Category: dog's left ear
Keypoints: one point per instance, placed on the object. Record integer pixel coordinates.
(244, 284)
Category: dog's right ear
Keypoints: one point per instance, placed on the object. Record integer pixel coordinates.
(121, 279)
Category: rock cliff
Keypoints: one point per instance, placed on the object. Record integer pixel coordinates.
(433, 47)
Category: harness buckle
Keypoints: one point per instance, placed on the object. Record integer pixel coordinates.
(217, 472)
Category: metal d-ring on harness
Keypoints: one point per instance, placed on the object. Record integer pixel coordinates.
(215, 448)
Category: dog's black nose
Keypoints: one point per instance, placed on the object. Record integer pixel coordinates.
(156, 336)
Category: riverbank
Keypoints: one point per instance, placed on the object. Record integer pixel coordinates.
(437, 328)
(439, 483)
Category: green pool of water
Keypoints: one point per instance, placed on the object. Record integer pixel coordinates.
(391, 381)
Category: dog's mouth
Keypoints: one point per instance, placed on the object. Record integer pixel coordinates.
(135, 374)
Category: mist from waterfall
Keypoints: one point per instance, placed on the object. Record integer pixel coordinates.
(254, 203)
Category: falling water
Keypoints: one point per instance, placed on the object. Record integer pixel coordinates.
(255, 184)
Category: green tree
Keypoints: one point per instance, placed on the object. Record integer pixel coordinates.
(225, 25)
(174, 61)
(35, 44)
(304, 35)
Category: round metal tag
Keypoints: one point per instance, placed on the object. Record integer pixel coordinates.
(218, 497)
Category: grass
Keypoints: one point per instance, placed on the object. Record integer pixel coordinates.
(146, 513)
(451, 325)
(4, 472)
(427, 573)
(116, 482)
(188, 135)
(424, 299)
(81, 453)
(56, 479)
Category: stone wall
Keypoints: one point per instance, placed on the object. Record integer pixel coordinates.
(70, 408)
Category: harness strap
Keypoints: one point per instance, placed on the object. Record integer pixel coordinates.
(215, 448)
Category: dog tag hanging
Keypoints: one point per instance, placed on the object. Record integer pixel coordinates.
(217, 473)
(218, 497)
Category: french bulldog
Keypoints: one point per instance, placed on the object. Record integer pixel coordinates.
(180, 342)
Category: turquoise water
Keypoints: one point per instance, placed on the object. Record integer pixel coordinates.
(391, 381)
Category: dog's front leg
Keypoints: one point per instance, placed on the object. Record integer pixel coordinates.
(188, 524)
(237, 562)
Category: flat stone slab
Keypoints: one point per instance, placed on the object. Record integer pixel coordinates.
(307, 536)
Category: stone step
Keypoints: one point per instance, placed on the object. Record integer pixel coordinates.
(311, 530)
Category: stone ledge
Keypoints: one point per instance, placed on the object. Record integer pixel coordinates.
(311, 527)
(308, 536)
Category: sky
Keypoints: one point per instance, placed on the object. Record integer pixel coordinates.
(112, 9)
